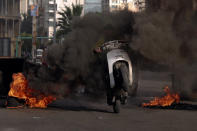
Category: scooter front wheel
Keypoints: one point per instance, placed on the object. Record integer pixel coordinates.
(116, 106)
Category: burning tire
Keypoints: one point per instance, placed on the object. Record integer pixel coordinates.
(13, 102)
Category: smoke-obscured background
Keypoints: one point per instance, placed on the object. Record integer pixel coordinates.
(1, 80)
(73, 64)
(168, 35)
(165, 34)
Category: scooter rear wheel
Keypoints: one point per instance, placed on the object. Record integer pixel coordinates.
(116, 106)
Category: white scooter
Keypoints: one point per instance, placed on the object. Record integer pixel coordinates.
(120, 73)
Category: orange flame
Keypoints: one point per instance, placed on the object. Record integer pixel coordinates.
(167, 100)
(19, 89)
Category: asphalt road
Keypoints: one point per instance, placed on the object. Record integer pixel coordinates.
(83, 115)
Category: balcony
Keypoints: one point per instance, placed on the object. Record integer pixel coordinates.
(52, 6)
(10, 9)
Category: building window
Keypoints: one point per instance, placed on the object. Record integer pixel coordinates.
(114, 1)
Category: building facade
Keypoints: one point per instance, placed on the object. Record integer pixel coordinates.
(24, 6)
(109, 5)
(136, 5)
(9, 27)
(43, 18)
(115, 5)
(92, 6)
(48, 10)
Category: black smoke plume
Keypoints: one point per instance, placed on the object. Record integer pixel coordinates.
(73, 64)
(167, 34)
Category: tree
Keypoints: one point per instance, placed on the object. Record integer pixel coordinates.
(26, 24)
(26, 31)
(26, 45)
(65, 21)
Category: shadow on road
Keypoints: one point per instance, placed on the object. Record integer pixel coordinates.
(80, 108)
(68, 107)
(180, 106)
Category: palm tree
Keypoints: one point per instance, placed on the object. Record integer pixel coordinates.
(65, 21)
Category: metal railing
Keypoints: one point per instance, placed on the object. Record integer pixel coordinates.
(25, 38)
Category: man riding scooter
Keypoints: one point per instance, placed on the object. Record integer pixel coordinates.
(120, 73)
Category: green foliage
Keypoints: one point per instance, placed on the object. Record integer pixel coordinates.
(26, 44)
(26, 31)
(77, 10)
(64, 23)
(26, 24)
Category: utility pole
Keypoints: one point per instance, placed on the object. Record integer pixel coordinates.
(54, 22)
(34, 30)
